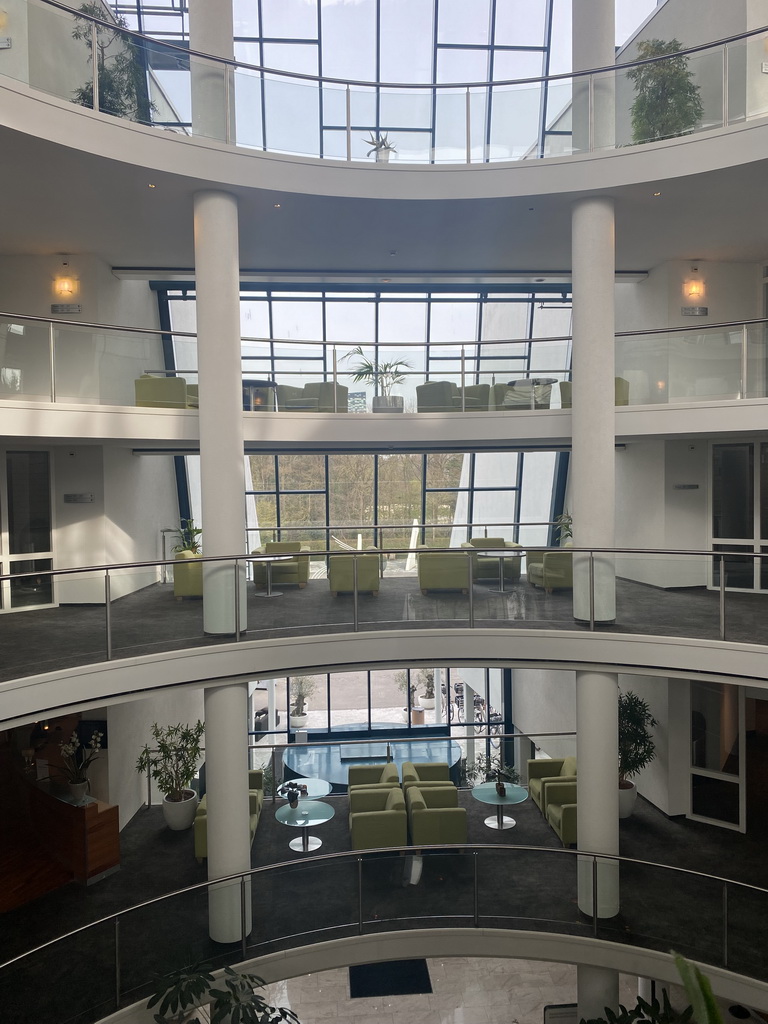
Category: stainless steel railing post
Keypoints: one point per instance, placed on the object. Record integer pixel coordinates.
(354, 595)
(237, 600)
(594, 896)
(468, 112)
(243, 916)
(463, 379)
(475, 890)
(95, 99)
(108, 614)
(360, 895)
(725, 86)
(722, 597)
(744, 364)
(349, 123)
(470, 592)
(117, 963)
(591, 590)
(725, 923)
(52, 360)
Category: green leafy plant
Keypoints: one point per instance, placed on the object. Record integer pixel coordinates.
(644, 1012)
(173, 760)
(379, 143)
(180, 993)
(188, 537)
(240, 1002)
(704, 1008)
(636, 746)
(121, 76)
(426, 676)
(382, 375)
(301, 689)
(76, 759)
(564, 523)
(408, 688)
(490, 768)
(667, 102)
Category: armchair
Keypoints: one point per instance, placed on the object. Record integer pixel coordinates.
(443, 570)
(291, 571)
(561, 810)
(164, 392)
(554, 571)
(543, 771)
(377, 818)
(373, 776)
(314, 397)
(445, 396)
(434, 816)
(341, 573)
(487, 566)
(621, 392)
(426, 774)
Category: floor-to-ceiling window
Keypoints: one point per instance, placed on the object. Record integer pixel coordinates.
(739, 518)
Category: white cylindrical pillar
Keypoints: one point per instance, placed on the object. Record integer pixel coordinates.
(222, 475)
(211, 31)
(597, 744)
(592, 477)
(228, 831)
(593, 46)
(597, 987)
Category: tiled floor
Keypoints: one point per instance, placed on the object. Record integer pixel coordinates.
(465, 991)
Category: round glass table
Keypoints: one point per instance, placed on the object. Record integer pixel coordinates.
(486, 794)
(306, 815)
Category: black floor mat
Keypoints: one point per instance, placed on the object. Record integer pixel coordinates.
(392, 978)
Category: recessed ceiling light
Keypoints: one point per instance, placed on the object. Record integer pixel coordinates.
(657, 193)
(150, 185)
(277, 206)
(393, 252)
(386, 280)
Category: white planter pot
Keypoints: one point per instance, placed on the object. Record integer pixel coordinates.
(427, 702)
(627, 798)
(78, 791)
(387, 403)
(298, 721)
(179, 814)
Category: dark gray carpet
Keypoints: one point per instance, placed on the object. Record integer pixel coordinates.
(151, 620)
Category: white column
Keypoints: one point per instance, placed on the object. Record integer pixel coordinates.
(222, 477)
(597, 987)
(597, 745)
(226, 777)
(593, 46)
(592, 477)
(211, 31)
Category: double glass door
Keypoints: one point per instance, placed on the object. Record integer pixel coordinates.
(718, 767)
(740, 514)
(26, 534)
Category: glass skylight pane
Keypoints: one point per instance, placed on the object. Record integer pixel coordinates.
(349, 39)
(406, 41)
(520, 22)
(289, 19)
(302, 320)
(246, 17)
(454, 25)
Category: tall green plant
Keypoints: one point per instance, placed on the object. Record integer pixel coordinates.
(636, 746)
(667, 101)
(384, 375)
(174, 757)
(188, 537)
(121, 75)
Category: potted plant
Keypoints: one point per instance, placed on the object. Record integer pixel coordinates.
(412, 698)
(172, 762)
(75, 762)
(636, 746)
(426, 677)
(564, 526)
(667, 102)
(491, 768)
(382, 377)
(187, 578)
(301, 689)
(180, 994)
(381, 146)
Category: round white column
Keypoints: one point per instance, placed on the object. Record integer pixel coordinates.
(594, 104)
(597, 780)
(211, 31)
(592, 477)
(226, 779)
(597, 988)
(222, 473)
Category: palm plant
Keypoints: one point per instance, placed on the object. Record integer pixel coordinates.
(636, 746)
(188, 537)
(383, 376)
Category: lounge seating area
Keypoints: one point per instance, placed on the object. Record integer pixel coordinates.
(290, 569)
(621, 392)
(552, 570)
(255, 802)
(319, 396)
(552, 786)
(443, 570)
(165, 392)
(486, 566)
(445, 396)
(342, 569)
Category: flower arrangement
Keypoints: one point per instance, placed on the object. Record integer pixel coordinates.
(75, 766)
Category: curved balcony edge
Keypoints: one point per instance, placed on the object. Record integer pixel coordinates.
(110, 682)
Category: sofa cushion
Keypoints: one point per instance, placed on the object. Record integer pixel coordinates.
(569, 766)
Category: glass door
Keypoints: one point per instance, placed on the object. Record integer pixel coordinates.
(26, 534)
(717, 755)
(739, 522)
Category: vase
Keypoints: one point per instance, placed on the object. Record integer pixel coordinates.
(501, 789)
(78, 791)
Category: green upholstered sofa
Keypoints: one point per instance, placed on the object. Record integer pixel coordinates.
(341, 573)
(621, 392)
(255, 804)
(434, 816)
(187, 576)
(377, 817)
(372, 776)
(543, 771)
(487, 566)
(445, 396)
(165, 392)
(561, 810)
(315, 397)
(552, 570)
(426, 774)
(443, 570)
(292, 571)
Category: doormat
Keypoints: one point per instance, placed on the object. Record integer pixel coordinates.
(391, 978)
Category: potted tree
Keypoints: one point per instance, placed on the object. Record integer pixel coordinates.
(301, 689)
(412, 698)
(426, 677)
(382, 377)
(172, 762)
(636, 746)
(667, 102)
(188, 576)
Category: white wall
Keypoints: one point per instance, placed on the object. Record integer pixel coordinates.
(129, 729)
(545, 701)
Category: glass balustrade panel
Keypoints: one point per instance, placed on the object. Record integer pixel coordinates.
(249, 107)
(756, 337)
(515, 112)
(755, 96)
(557, 140)
(450, 144)
(706, 74)
(519, 887)
(104, 367)
(70, 76)
(25, 361)
(666, 593)
(643, 361)
(747, 910)
(148, 615)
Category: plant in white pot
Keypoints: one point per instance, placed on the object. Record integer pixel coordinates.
(382, 377)
(412, 698)
(381, 146)
(172, 762)
(301, 689)
(636, 746)
(426, 677)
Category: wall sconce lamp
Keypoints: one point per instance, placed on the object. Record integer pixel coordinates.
(3, 19)
(693, 287)
(64, 284)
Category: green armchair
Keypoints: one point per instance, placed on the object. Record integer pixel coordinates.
(434, 816)
(292, 571)
(621, 392)
(373, 776)
(255, 804)
(487, 566)
(164, 392)
(445, 396)
(341, 573)
(377, 818)
(426, 774)
(443, 570)
(544, 771)
(315, 397)
(552, 570)
(561, 811)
